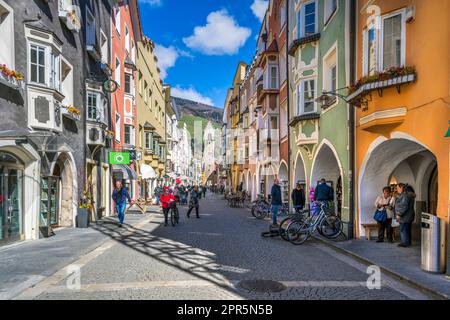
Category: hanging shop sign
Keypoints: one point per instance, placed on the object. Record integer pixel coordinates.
(119, 158)
(110, 86)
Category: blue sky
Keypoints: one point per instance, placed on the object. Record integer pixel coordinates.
(200, 42)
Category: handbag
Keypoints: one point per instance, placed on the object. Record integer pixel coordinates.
(380, 216)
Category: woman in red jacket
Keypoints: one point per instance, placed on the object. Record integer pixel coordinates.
(166, 198)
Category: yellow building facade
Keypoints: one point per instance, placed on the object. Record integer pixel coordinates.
(403, 101)
(151, 119)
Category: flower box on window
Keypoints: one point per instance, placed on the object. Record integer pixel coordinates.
(395, 76)
(71, 112)
(11, 78)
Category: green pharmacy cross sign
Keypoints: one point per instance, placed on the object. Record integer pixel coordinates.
(119, 158)
(448, 132)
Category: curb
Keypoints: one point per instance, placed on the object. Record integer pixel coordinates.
(394, 274)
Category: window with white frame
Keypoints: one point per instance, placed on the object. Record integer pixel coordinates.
(118, 127)
(129, 135)
(92, 103)
(44, 66)
(7, 38)
(90, 28)
(330, 71)
(272, 77)
(117, 72)
(128, 83)
(148, 140)
(329, 9)
(393, 41)
(306, 97)
(37, 64)
(307, 19)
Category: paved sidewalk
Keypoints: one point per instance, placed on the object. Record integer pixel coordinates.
(403, 263)
(25, 264)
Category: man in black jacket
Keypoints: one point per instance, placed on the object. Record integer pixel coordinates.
(298, 197)
(276, 200)
(323, 192)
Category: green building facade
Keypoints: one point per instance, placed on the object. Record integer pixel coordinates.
(319, 55)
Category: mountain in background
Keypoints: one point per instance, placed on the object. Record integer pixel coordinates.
(190, 111)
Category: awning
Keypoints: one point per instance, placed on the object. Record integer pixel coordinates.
(125, 170)
(148, 172)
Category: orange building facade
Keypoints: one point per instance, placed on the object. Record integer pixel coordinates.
(126, 32)
(403, 99)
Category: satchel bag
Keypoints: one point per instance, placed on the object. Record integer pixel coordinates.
(380, 216)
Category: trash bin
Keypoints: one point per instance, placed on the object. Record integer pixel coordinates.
(431, 244)
(83, 218)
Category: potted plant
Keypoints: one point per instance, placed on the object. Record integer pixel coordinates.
(83, 212)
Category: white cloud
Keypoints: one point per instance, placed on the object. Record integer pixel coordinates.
(151, 2)
(167, 58)
(191, 94)
(259, 8)
(221, 35)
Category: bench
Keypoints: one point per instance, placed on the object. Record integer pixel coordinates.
(369, 227)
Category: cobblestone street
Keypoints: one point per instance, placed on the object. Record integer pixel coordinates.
(206, 259)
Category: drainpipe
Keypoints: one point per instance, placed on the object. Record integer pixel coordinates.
(352, 206)
(288, 104)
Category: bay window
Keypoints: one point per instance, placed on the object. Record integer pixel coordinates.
(95, 106)
(37, 64)
(45, 66)
(91, 106)
(271, 81)
(306, 97)
(307, 19)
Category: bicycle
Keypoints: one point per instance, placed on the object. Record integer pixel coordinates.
(329, 226)
(174, 214)
(298, 216)
(264, 210)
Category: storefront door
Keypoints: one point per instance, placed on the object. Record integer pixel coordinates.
(11, 219)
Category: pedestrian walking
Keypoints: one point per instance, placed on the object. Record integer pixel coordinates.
(158, 192)
(384, 205)
(405, 213)
(120, 196)
(275, 195)
(298, 197)
(166, 199)
(193, 202)
(200, 192)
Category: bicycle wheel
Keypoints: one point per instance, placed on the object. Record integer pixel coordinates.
(298, 232)
(331, 227)
(283, 228)
(259, 212)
